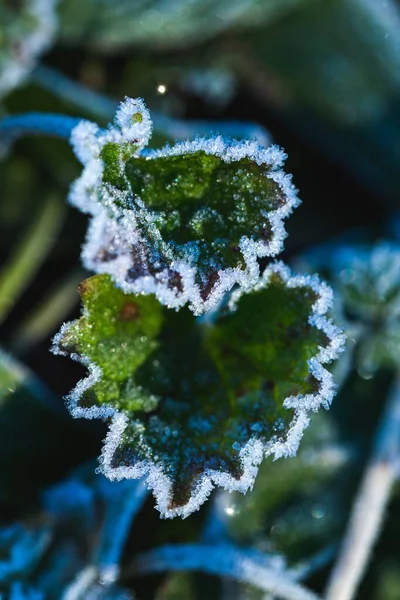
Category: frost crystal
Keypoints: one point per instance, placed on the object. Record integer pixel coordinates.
(185, 223)
(26, 32)
(368, 282)
(196, 403)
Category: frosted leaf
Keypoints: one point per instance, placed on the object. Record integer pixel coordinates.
(367, 282)
(285, 489)
(27, 29)
(186, 222)
(196, 403)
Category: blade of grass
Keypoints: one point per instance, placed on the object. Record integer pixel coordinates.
(44, 319)
(30, 253)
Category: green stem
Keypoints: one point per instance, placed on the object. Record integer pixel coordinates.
(29, 254)
(44, 319)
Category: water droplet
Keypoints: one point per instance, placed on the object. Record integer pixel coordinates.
(230, 510)
(318, 511)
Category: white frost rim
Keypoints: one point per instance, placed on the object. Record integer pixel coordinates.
(254, 450)
(111, 223)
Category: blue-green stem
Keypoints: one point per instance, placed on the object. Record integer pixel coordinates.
(123, 505)
(225, 560)
(36, 123)
(172, 128)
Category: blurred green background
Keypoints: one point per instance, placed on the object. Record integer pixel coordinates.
(322, 79)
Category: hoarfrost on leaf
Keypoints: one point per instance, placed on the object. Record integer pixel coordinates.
(366, 279)
(185, 222)
(198, 402)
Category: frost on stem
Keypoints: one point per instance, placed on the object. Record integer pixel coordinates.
(185, 223)
(196, 403)
(27, 29)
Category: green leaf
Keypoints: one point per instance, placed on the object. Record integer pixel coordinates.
(186, 222)
(308, 486)
(198, 402)
(117, 333)
(366, 279)
(197, 198)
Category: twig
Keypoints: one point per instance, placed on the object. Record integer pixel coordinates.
(370, 505)
(223, 560)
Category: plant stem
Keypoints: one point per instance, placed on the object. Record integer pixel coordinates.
(29, 254)
(82, 582)
(308, 567)
(35, 123)
(125, 501)
(369, 505)
(104, 107)
(74, 93)
(45, 318)
(226, 561)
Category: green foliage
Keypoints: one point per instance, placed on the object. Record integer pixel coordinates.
(366, 282)
(196, 200)
(158, 24)
(339, 58)
(182, 380)
(293, 503)
(177, 586)
(388, 587)
(118, 333)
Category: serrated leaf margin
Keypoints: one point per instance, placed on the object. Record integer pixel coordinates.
(110, 222)
(254, 451)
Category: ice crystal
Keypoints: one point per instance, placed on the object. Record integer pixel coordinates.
(368, 281)
(186, 222)
(283, 489)
(199, 402)
(27, 28)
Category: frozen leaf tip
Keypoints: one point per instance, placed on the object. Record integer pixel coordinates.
(195, 403)
(185, 222)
